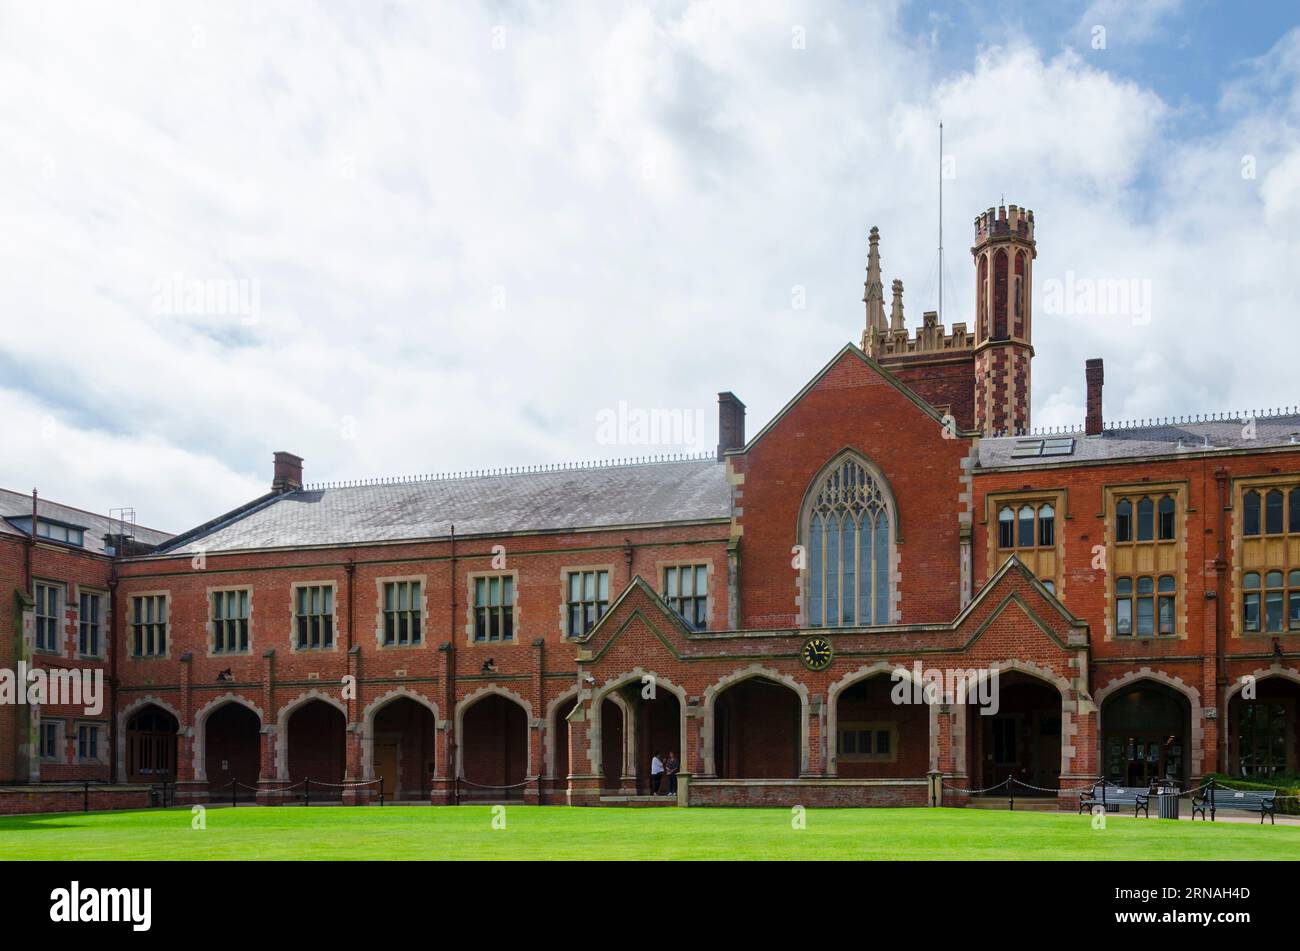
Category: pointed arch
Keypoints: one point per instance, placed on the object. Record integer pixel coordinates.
(373, 709)
(830, 753)
(565, 702)
(609, 688)
(201, 726)
(492, 690)
(848, 527)
(125, 716)
(282, 724)
(708, 755)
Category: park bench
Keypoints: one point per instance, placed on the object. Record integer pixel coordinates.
(1111, 797)
(1220, 797)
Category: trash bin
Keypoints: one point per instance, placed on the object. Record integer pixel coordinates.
(1167, 800)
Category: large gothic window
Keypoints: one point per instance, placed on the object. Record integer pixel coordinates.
(848, 546)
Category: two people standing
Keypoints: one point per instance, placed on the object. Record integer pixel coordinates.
(660, 768)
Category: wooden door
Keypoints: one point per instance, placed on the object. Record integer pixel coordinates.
(386, 768)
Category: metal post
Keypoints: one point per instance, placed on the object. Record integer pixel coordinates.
(85, 797)
(1011, 791)
(234, 792)
(306, 793)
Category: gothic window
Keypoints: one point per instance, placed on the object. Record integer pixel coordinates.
(848, 549)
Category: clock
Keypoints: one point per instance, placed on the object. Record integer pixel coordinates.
(817, 653)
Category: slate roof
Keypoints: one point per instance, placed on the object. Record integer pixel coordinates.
(17, 505)
(530, 501)
(1225, 434)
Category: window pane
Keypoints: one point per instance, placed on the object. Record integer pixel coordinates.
(1006, 527)
(1273, 512)
(1166, 614)
(1251, 611)
(1250, 514)
(832, 572)
(1146, 520)
(1145, 617)
(1273, 611)
(670, 582)
(1294, 520)
(881, 562)
(1046, 526)
(815, 571)
(1025, 531)
(848, 571)
(1124, 521)
(701, 579)
(1166, 517)
(604, 585)
(1251, 580)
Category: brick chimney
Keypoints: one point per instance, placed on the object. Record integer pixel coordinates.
(1095, 376)
(288, 472)
(731, 423)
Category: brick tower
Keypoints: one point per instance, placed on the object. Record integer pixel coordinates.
(1004, 254)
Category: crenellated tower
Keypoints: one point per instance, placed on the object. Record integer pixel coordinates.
(1004, 253)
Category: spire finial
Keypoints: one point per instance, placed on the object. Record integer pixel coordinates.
(874, 296)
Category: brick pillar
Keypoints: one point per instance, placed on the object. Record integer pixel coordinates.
(1083, 739)
(816, 765)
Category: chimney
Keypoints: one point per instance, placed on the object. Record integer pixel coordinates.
(288, 472)
(1095, 376)
(731, 423)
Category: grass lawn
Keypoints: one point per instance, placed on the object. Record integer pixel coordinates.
(531, 832)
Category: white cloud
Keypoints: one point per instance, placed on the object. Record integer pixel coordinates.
(468, 241)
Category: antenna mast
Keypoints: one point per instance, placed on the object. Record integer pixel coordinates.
(940, 223)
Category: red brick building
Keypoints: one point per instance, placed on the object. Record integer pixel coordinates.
(1117, 600)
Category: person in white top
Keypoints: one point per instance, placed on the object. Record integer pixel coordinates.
(656, 773)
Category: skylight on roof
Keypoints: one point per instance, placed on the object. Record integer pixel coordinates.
(1033, 448)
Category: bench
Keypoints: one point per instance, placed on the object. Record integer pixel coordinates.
(1111, 797)
(1220, 797)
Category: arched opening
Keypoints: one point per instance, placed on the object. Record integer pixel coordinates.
(1000, 295)
(1021, 740)
(232, 748)
(403, 754)
(151, 746)
(658, 730)
(560, 743)
(1145, 732)
(876, 738)
(612, 736)
(493, 749)
(756, 731)
(846, 523)
(316, 737)
(1264, 733)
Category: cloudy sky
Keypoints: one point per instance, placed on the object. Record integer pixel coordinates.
(406, 239)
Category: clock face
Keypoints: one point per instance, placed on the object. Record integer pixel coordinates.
(816, 653)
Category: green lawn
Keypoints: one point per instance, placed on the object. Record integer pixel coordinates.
(467, 832)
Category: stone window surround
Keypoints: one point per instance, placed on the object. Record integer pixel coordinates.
(470, 579)
(567, 570)
(210, 625)
(875, 726)
(129, 626)
(105, 621)
(1058, 498)
(379, 612)
(60, 617)
(709, 598)
(61, 753)
(1111, 494)
(293, 617)
(1237, 541)
(100, 727)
